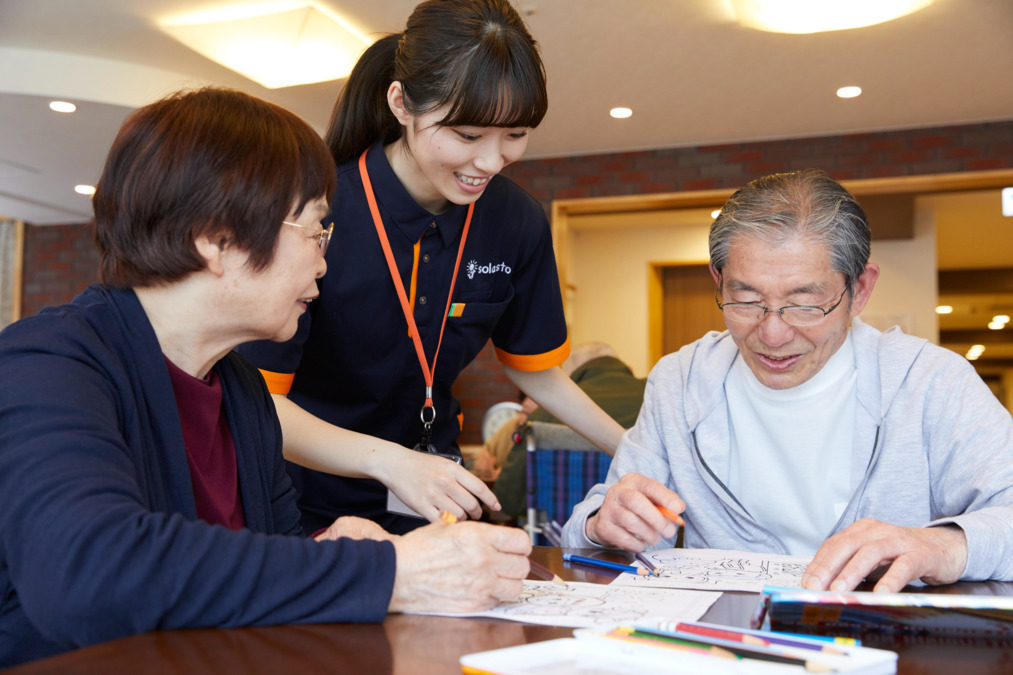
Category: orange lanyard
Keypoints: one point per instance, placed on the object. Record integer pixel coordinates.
(427, 371)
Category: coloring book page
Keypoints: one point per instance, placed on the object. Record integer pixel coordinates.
(717, 570)
(584, 605)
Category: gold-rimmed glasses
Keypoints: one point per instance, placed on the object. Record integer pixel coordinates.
(323, 236)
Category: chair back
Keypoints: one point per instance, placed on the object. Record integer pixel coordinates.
(561, 467)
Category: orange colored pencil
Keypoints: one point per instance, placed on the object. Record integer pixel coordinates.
(674, 517)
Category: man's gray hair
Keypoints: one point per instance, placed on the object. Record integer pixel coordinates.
(806, 204)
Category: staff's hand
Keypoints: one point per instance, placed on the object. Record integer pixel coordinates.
(936, 555)
(629, 517)
(354, 527)
(464, 567)
(431, 484)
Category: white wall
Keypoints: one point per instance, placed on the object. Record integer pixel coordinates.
(609, 267)
(907, 289)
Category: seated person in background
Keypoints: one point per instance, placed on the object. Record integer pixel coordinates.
(142, 484)
(489, 460)
(609, 382)
(802, 430)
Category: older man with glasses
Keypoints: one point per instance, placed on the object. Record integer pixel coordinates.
(801, 430)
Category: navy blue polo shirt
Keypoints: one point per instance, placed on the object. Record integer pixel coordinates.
(352, 361)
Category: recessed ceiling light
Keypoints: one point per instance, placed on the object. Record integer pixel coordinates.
(807, 16)
(996, 325)
(849, 92)
(84, 189)
(944, 309)
(620, 113)
(715, 213)
(62, 106)
(1000, 318)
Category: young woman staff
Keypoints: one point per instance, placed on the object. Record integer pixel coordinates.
(436, 254)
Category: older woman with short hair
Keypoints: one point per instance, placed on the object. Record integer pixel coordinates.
(142, 484)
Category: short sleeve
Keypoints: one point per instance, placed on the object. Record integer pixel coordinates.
(531, 335)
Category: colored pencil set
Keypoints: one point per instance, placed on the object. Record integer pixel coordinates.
(729, 643)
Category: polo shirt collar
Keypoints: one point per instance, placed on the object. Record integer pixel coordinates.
(403, 212)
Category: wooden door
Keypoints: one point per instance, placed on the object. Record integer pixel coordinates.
(688, 304)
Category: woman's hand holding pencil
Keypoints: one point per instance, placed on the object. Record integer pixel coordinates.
(453, 566)
(637, 511)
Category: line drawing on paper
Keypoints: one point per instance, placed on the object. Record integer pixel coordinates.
(579, 603)
(585, 605)
(712, 569)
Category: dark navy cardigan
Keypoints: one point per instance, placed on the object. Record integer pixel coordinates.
(99, 536)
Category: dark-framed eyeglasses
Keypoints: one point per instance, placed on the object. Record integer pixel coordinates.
(793, 315)
(323, 236)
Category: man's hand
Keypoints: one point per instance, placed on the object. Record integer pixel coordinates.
(629, 517)
(936, 555)
(464, 567)
(431, 485)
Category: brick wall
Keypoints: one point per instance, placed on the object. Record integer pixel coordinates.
(975, 147)
(59, 261)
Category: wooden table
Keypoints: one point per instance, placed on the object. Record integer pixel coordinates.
(425, 645)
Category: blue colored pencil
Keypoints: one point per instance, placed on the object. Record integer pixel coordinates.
(606, 564)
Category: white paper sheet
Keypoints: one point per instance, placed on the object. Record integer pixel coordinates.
(584, 605)
(717, 570)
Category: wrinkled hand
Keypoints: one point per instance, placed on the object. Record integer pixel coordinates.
(353, 527)
(464, 567)
(431, 484)
(936, 555)
(629, 517)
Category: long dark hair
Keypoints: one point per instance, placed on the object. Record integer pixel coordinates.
(474, 55)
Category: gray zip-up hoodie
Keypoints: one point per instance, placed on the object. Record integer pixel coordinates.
(932, 445)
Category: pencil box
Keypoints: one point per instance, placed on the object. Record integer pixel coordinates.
(832, 613)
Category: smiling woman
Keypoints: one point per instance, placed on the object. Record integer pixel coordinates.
(134, 438)
(432, 243)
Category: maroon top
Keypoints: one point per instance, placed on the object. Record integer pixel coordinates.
(209, 448)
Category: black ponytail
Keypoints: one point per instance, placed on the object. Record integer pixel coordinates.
(361, 115)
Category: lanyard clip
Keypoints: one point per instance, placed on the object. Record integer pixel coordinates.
(428, 405)
(432, 414)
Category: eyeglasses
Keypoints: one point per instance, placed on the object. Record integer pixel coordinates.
(793, 315)
(323, 236)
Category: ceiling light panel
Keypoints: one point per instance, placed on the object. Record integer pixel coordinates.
(279, 45)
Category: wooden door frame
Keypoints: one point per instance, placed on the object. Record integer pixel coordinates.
(564, 209)
(15, 259)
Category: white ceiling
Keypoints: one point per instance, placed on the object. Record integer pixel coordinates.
(691, 75)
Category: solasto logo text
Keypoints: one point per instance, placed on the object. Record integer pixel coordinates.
(474, 268)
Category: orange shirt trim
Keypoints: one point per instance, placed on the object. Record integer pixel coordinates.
(535, 362)
(278, 383)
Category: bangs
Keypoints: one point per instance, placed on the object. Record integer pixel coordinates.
(492, 90)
